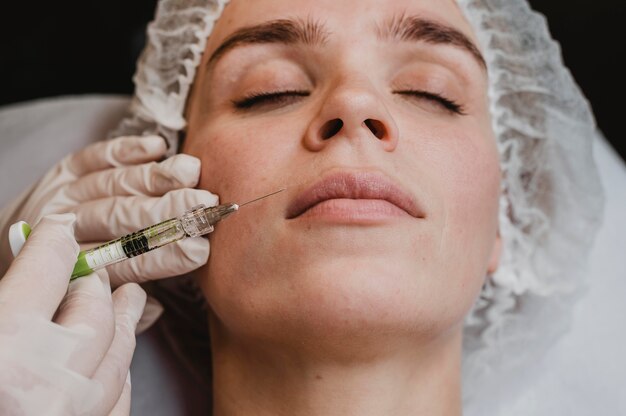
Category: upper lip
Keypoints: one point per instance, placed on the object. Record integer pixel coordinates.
(353, 185)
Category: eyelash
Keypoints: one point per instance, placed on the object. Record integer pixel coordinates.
(448, 104)
(276, 97)
(283, 97)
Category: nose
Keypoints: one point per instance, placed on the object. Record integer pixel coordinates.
(355, 113)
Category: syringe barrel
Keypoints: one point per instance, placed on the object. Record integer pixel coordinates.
(195, 222)
(130, 245)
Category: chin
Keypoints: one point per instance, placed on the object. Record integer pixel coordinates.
(343, 301)
(386, 294)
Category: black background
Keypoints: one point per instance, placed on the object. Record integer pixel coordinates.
(50, 48)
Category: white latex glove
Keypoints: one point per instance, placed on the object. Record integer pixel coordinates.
(114, 187)
(64, 350)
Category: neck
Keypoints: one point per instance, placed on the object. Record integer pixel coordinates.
(260, 379)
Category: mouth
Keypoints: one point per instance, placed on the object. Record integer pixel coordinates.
(367, 188)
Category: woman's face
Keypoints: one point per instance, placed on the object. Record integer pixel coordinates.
(380, 111)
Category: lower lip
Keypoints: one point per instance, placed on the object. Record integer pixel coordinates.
(354, 211)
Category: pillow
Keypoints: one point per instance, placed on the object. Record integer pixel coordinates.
(37, 134)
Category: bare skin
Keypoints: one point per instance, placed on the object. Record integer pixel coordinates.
(352, 309)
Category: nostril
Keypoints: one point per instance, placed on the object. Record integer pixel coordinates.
(330, 128)
(376, 127)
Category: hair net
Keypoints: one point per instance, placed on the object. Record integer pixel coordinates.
(551, 200)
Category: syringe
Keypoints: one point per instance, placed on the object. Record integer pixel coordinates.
(197, 221)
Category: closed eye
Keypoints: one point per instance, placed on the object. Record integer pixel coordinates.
(444, 102)
(275, 98)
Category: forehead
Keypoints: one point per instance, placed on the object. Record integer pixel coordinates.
(342, 17)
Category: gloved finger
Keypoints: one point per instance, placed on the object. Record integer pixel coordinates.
(151, 313)
(37, 279)
(88, 306)
(154, 179)
(128, 304)
(122, 407)
(121, 151)
(173, 259)
(91, 244)
(111, 218)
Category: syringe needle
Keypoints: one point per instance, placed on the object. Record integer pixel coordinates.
(264, 196)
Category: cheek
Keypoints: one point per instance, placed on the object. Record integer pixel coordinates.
(468, 186)
(457, 169)
(471, 183)
(241, 162)
(458, 173)
(235, 166)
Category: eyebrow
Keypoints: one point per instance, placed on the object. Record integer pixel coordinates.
(418, 29)
(286, 31)
(311, 32)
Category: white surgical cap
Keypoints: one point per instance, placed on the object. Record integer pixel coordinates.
(551, 200)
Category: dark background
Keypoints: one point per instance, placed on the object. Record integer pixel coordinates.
(50, 48)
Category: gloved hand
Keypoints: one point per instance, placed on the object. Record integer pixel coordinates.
(114, 187)
(64, 353)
